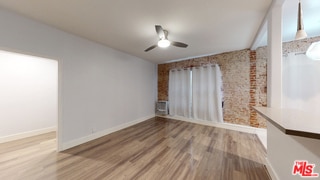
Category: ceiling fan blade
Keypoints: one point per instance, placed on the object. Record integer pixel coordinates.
(160, 31)
(150, 48)
(179, 44)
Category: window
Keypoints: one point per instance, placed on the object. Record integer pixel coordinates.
(196, 93)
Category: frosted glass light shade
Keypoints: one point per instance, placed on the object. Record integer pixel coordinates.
(313, 51)
(301, 34)
(164, 43)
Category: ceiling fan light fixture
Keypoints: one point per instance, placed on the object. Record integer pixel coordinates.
(163, 40)
(313, 51)
(163, 43)
(301, 34)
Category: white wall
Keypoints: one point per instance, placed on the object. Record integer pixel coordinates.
(301, 87)
(100, 88)
(28, 93)
(284, 149)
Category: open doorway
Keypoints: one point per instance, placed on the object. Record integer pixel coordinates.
(28, 96)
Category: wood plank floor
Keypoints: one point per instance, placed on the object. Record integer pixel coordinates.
(155, 149)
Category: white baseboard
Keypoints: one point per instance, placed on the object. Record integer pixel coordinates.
(271, 171)
(235, 127)
(26, 134)
(261, 133)
(96, 135)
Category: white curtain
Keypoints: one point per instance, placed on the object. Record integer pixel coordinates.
(180, 93)
(207, 93)
(301, 87)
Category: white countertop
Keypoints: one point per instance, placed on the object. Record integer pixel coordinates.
(292, 122)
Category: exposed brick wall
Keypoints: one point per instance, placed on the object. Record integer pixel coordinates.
(163, 82)
(236, 75)
(253, 89)
(244, 76)
(261, 82)
(298, 46)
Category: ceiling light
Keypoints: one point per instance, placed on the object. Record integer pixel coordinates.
(164, 43)
(301, 34)
(313, 51)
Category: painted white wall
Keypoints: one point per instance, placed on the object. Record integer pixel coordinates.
(284, 149)
(301, 87)
(274, 68)
(28, 93)
(100, 88)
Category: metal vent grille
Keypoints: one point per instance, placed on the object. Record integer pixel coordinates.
(162, 107)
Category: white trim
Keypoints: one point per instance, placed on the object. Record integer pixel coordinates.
(263, 29)
(96, 135)
(192, 57)
(235, 127)
(271, 171)
(26, 134)
(261, 133)
(60, 99)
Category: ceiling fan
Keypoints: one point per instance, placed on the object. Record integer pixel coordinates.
(163, 40)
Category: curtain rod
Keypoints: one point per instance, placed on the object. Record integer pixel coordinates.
(294, 53)
(192, 66)
(300, 53)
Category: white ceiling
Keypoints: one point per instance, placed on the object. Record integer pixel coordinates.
(208, 26)
(311, 19)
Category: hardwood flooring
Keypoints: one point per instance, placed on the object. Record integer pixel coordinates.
(155, 149)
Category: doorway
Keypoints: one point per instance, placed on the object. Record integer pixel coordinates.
(29, 96)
